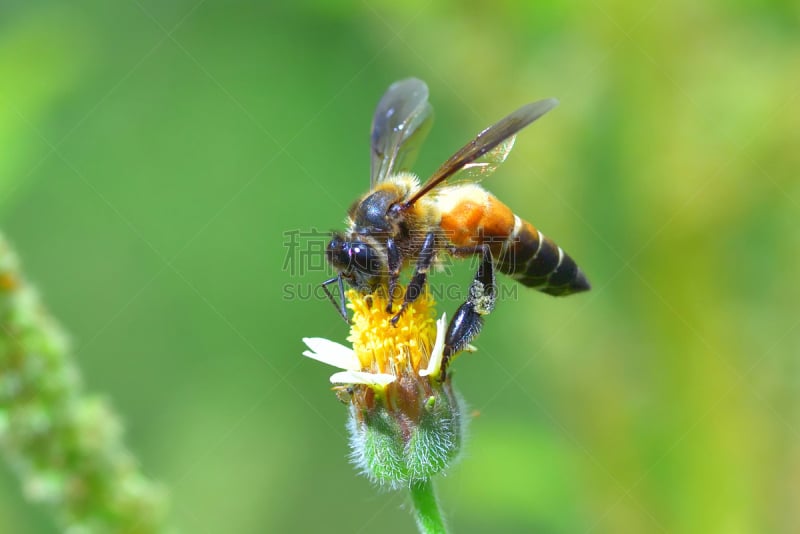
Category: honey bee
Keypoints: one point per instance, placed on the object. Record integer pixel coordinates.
(400, 222)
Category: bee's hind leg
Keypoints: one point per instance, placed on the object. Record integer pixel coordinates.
(417, 283)
(468, 320)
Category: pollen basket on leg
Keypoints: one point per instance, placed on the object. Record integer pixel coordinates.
(382, 347)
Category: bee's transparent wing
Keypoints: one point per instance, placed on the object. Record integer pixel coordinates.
(401, 122)
(489, 148)
(486, 164)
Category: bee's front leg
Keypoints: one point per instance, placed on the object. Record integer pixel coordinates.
(417, 283)
(468, 320)
(340, 306)
(394, 270)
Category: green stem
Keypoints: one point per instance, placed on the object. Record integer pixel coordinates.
(426, 509)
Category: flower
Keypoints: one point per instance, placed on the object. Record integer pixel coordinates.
(405, 418)
(337, 355)
(383, 351)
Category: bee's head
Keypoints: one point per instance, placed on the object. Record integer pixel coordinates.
(353, 258)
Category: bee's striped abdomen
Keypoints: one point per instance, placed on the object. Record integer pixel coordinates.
(536, 261)
(470, 215)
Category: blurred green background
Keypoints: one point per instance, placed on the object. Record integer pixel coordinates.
(153, 154)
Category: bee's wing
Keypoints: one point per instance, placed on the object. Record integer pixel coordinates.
(486, 164)
(490, 148)
(401, 122)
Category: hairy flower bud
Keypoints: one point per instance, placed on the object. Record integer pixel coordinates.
(405, 419)
(409, 432)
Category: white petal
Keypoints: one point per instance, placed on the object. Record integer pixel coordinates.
(360, 377)
(332, 353)
(435, 362)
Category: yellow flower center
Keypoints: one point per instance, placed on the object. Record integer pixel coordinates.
(382, 347)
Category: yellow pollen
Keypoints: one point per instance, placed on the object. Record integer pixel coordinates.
(384, 348)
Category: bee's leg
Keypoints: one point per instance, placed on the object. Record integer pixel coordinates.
(394, 270)
(417, 283)
(468, 320)
(340, 306)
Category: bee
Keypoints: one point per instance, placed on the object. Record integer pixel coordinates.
(400, 222)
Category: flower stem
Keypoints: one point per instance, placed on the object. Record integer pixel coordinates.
(426, 509)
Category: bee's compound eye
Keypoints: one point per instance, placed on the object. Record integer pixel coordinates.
(336, 242)
(338, 252)
(365, 259)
